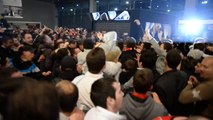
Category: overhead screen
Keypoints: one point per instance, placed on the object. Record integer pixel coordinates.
(111, 16)
(159, 31)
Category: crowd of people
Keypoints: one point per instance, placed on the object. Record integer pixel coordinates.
(74, 74)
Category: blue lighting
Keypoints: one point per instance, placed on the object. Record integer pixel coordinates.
(204, 2)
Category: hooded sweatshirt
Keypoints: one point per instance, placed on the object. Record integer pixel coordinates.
(141, 109)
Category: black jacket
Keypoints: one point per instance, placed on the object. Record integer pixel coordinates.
(168, 88)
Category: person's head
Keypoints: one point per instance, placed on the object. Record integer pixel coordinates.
(59, 45)
(7, 42)
(146, 45)
(72, 44)
(113, 55)
(46, 40)
(27, 38)
(129, 65)
(142, 80)
(148, 58)
(61, 53)
(130, 42)
(68, 63)
(41, 102)
(8, 72)
(95, 60)
(189, 64)
(88, 44)
(67, 94)
(26, 53)
(166, 44)
(173, 59)
(200, 46)
(207, 68)
(106, 93)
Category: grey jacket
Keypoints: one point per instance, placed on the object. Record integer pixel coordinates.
(138, 109)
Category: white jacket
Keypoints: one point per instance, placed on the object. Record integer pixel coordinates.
(99, 113)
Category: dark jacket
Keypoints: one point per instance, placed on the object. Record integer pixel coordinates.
(27, 68)
(168, 88)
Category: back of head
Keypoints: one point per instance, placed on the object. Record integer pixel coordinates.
(129, 65)
(173, 58)
(130, 42)
(148, 58)
(113, 54)
(88, 44)
(41, 102)
(167, 44)
(95, 60)
(68, 95)
(68, 63)
(100, 90)
(147, 45)
(200, 46)
(142, 80)
(61, 53)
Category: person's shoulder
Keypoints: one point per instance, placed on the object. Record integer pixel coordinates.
(77, 79)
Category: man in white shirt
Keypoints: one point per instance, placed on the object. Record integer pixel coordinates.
(95, 61)
(107, 96)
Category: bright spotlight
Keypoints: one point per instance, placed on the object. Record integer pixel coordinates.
(204, 2)
(115, 9)
(192, 27)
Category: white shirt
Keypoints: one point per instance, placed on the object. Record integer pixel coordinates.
(62, 116)
(84, 84)
(99, 113)
(112, 68)
(81, 58)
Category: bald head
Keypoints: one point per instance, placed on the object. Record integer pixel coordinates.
(68, 95)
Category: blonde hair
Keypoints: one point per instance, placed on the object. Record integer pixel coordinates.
(112, 55)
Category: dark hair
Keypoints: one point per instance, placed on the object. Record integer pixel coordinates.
(167, 46)
(68, 63)
(120, 44)
(41, 102)
(61, 53)
(188, 64)
(24, 33)
(88, 44)
(129, 65)
(146, 45)
(200, 46)
(67, 94)
(3, 60)
(6, 38)
(142, 80)
(173, 58)
(7, 72)
(148, 58)
(95, 60)
(130, 42)
(100, 90)
(25, 48)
